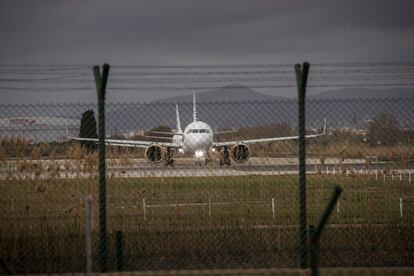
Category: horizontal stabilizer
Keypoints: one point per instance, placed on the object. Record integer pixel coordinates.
(158, 137)
(164, 132)
(224, 131)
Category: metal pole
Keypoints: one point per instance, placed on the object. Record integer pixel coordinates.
(4, 266)
(316, 232)
(209, 207)
(313, 252)
(302, 78)
(144, 208)
(119, 251)
(88, 234)
(337, 208)
(101, 87)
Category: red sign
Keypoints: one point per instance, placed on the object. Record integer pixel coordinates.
(22, 121)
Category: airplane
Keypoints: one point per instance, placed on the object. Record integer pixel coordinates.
(197, 139)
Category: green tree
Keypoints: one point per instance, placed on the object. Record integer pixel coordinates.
(384, 129)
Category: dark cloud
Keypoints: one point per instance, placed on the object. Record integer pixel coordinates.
(203, 32)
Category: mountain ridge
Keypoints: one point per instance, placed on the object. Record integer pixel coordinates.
(240, 93)
(355, 93)
(229, 93)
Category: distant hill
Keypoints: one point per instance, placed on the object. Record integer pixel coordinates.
(355, 93)
(240, 93)
(231, 93)
(239, 106)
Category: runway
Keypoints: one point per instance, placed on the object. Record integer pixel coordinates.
(187, 167)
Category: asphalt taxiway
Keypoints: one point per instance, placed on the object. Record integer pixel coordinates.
(188, 167)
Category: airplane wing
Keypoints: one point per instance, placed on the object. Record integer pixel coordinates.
(125, 143)
(271, 139)
(224, 131)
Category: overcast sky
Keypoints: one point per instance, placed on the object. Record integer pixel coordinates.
(205, 32)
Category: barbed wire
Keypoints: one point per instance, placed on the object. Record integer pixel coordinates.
(269, 65)
(172, 88)
(394, 70)
(62, 77)
(118, 79)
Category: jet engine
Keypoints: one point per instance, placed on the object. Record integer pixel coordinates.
(153, 153)
(240, 152)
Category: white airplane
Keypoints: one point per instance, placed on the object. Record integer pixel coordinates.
(197, 139)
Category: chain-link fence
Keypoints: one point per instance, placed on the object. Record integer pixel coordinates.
(210, 184)
(210, 215)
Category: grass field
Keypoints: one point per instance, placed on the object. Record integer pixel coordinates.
(221, 222)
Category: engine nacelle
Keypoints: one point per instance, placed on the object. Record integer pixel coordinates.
(153, 153)
(240, 152)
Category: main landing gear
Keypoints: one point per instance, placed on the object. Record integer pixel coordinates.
(225, 157)
(168, 160)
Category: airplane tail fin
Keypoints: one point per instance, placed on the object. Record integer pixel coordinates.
(177, 115)
(194, 107)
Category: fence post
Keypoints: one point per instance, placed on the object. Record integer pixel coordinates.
(101, 82)
(119, 251)
(144, 206)
(313, 249)
(301, 79)
(337, 208)
(88, 234)
(4, 266)
(273, 207)
(209, 207)
(316, 232)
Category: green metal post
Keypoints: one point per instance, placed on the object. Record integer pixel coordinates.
(119, 251)
(313, 248)
(4, 266)
(302, 78)
(315, 233)
(327, 212)
(101, 82)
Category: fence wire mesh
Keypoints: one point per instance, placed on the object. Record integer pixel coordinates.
(194, 214)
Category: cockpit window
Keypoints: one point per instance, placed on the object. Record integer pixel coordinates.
(198, 131)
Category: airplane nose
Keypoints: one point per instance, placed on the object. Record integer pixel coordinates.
(197, 142)
(202, 140)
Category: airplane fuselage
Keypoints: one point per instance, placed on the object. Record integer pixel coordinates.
(197, 138)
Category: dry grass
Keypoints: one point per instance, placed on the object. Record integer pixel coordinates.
(201, 223)
(43, 222)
